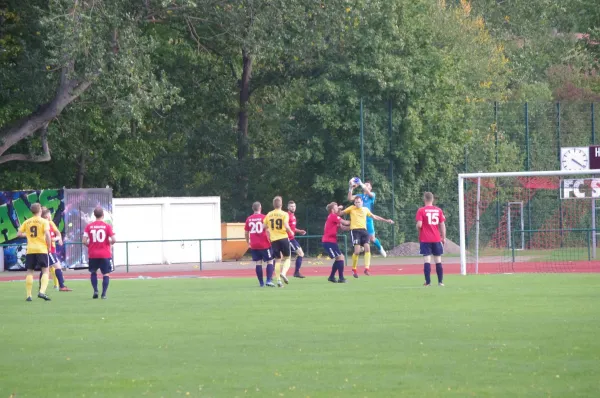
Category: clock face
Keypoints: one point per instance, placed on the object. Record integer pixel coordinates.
(575, 159)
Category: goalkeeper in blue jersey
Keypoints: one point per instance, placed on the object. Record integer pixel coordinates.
(368, 198)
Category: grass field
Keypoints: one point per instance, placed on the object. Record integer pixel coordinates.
(384, 336)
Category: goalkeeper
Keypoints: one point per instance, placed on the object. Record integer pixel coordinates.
(368, 198)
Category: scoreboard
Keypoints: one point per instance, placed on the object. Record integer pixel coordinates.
(580, 158)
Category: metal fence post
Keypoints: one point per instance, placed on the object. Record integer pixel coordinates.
(127, 257)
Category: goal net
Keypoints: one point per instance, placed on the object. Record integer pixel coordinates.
(544, 221)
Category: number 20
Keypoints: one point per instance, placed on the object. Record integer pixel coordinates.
(256, 227)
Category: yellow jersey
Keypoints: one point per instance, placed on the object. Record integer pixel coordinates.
(358, 216)
(275, 222)
(35, 229)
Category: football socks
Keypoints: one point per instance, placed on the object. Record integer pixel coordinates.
(427, 272)
(94, 280)
(354, 262)
(270, 269)
(59, 275)
(44, 283)
(439, 270)
(259, 273)
(367, 260)
(298, 264)
(377, 244)
(29, 284)
(286, 265)
(105, 281)
(340, 268)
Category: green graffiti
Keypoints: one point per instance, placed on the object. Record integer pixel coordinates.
(22, 209)
(49, 198)
(7, 230)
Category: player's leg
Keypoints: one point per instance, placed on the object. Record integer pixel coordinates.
(30, 266)
(106, 269)
(373, 238)
(437, 251)
(53, 274)
(367, 248)
(286, 252)
(329, 249)
(426, 252)
(286, 267)
(355, 236)
(270, 267)
(299, 257)
(42, 262)
(257, 257)
(93, 266)
(58, 272)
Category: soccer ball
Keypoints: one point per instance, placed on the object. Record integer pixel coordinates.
(354, 181)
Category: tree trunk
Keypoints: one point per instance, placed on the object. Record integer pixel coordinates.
(81, 170)
(242, 133)
(67, 92)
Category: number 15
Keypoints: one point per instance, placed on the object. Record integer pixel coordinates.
(433, 218)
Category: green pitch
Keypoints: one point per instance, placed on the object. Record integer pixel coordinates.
(484, 336)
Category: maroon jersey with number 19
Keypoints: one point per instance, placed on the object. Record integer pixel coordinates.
(431, 216)
(258, 235)
(331, 228)
(98, 233)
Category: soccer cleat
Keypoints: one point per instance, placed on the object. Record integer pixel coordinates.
(426, 284)
(285, 279)
(44, 296)
(382, 252)
(299, 275)
(355, 274)
(65, 289)
(103, 297)
(28, 298)
(95, 296)
(270, 284)
(262, 285)
(56, 288)
(342, 280)
(440, 284)
(279, 284)
(367, 273)
(332, 279)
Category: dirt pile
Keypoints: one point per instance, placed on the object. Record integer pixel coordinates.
(412, 249)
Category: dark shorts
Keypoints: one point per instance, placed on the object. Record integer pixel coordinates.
(105, 265)
(430, 248)
(53, 258)
(262, 254)
(359, 237)
(332, 249)
(36, 261)
(294, 245)
(281, 247)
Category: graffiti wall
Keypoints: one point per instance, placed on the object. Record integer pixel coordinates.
(71, 210)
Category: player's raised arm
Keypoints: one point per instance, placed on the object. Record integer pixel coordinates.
(387, 220)
(367, 189)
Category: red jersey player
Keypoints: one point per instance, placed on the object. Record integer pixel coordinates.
(294, 245)
(260, 244)
(432, 237)
(98, 237)
(333, 223)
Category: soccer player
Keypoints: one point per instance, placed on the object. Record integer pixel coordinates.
(55, 236)
(37, 231)
(432, 237)
(277, 222)
(358, 232)
(260, 244)
(98, 237)
(368, 198)
(334, 221)
(294, 245)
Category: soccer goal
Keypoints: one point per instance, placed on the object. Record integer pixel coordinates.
(539, 221)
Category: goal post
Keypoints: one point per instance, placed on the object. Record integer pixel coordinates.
(528, 221)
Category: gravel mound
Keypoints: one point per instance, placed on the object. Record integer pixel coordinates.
(412, 249)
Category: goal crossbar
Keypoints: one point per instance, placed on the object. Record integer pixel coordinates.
(461, 197)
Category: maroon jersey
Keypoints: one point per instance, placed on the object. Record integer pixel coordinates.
(292, 223)
(331, 228)
(98, 234)
(257, 232)
(431, 217)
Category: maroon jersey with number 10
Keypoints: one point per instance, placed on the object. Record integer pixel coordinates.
(98, 233)
(258, 235)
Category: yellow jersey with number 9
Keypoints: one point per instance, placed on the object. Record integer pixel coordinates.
(35, 229)
(275, 222)
(358, 216)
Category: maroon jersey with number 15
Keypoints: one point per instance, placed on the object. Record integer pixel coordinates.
(98, 233)
(256, 230)
(431, 216)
